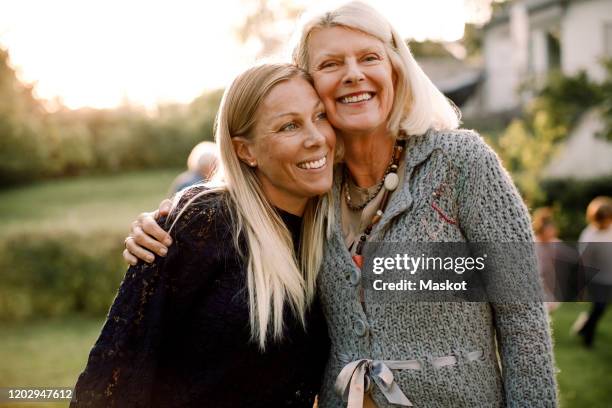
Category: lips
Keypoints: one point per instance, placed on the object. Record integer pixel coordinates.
(313, 164)
(356, 97)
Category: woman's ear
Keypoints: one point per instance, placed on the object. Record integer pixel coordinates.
(244, 151)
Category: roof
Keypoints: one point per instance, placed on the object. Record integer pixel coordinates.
(533, 6)
(457, 79)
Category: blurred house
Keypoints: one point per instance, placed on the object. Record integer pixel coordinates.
(527, 39)
(457, 79)
(583, 156)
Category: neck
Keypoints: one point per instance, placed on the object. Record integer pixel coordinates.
(292, 205)
(280, 198)
(298, 211)
(367, 155)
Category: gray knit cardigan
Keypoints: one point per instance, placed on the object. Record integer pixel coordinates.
(454, 190)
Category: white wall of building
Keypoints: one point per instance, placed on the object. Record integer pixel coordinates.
(516, 51)
(501, 77)
(584, 155)
(584, 29)
(538, 61)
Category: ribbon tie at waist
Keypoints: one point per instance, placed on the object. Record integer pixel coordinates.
(351, 382)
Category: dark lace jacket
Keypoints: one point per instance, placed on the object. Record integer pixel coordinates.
(178, 331)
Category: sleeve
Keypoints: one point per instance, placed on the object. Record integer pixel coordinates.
(492, 212)
(121, 368)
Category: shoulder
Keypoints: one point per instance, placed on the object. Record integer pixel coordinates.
(586, 234)
(198, 208)
(463, 148)
(460, 144)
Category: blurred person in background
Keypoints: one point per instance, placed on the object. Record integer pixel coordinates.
(230, 316)
(409, 176)
(202, 164)
(546, 239)
(598, 231)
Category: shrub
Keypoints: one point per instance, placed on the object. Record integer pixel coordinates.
(51, 275)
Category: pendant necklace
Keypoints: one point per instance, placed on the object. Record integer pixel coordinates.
(390, 182)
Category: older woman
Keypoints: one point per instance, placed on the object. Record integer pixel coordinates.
(409, 176)
(226, 317)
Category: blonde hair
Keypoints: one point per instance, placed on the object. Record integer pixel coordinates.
(274, 277)
(599, 211)
(418, 105)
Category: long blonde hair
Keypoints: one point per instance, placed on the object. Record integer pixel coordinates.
(274, 277)
(418, 105)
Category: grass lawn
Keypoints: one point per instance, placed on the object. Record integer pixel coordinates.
(585, 377)
(53, 353)
(86, 204)
(45, 353)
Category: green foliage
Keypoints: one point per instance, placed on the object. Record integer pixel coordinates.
(36, 144)
(528, 144)
(472, 40)
(22, 153)
(564, 99)
(606, 102)
(428, 49)
(61, 241)
(52, 275)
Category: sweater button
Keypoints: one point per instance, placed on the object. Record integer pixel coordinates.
(360, 327)
(355, 277)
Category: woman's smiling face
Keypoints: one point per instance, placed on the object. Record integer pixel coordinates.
(353, 77)
(293, 145)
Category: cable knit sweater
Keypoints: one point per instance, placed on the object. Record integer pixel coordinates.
(454, 190)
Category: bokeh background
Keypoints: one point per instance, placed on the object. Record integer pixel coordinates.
(102, 101)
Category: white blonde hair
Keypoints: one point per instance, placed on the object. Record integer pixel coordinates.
(418, 105)
(274, 276)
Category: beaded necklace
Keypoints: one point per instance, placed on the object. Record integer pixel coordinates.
(390, 183)
(359, 207)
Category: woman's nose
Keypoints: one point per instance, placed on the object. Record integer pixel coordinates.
(353, 72)
(314, 137)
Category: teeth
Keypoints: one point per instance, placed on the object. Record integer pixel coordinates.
(366, 96)
(313, 164)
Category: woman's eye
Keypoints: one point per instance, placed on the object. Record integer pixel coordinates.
(322, 116)
(371, 57)
(288, 127)
(328, 64)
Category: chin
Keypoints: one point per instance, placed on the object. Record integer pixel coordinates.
(319, 190)
(360, 124)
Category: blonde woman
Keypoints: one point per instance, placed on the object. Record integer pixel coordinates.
(229, 318)
(409, 176)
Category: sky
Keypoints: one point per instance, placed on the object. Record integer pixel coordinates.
(102, 53)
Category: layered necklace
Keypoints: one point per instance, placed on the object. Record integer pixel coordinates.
(389, 181)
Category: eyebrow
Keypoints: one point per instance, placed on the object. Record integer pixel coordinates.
(373, 48)
(316, 105)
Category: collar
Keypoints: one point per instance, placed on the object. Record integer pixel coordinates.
(418, 150)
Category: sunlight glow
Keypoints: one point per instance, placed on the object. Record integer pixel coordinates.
(104, 53)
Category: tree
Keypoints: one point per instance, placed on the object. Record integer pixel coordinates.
(269, 24)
